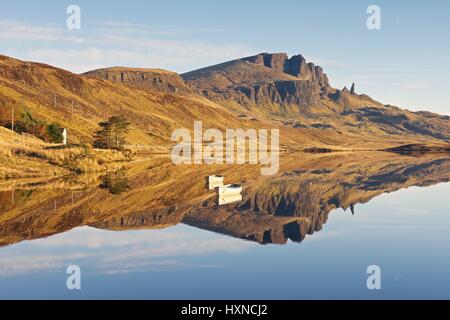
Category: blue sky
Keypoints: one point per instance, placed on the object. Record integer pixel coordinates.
(406, 63)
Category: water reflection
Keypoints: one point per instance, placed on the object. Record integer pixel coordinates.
(156, 194)
(115, 182)
(224, 199)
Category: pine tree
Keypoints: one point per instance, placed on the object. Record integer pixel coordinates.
(112, 133)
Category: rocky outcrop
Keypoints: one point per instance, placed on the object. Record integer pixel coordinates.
(146, 79)
(295, 66)
(276, 61)
(264, 229)
(420, 148)
(262, 79)
(341, 96)
(290, 92)
(157, 218)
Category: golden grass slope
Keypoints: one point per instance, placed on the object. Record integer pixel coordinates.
(23, 156)
(82, 102)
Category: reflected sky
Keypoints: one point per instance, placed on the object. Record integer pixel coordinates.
(406, 233)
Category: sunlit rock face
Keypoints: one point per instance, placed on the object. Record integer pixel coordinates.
(147, 79)
(295, 66)
(262, 79)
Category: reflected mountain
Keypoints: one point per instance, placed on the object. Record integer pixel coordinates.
(158, 194)
(298, 203)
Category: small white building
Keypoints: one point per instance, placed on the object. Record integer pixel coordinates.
(214, 182)
(64, 134)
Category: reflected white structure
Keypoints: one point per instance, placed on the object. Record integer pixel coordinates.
(229, 194)
(230, 189)
(229, 198)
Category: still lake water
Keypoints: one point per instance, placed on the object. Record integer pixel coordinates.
(406, 233)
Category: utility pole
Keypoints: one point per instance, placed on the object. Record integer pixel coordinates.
(12, 118)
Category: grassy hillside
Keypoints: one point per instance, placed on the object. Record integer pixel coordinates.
(82, 102)
(24, 156)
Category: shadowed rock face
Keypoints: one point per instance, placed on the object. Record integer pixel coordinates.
(262, 79)
(295, 66)
(301, 93)
(261, 228)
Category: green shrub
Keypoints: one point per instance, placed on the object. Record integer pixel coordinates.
(54, 132)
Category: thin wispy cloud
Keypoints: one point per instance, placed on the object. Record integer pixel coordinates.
(117, 44)
(15, 30)
(158, 30)
(108, 252)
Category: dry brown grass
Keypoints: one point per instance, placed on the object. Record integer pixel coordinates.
(26, 156)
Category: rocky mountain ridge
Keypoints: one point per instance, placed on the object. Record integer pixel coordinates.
(146, 79)
(261, 79)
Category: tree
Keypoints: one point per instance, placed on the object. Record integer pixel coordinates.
(112, 133)
(54, 131)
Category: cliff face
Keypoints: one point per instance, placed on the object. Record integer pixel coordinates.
(263, 229)
(295, 66)
(281, 92)
(262, 79)
(146, 79)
